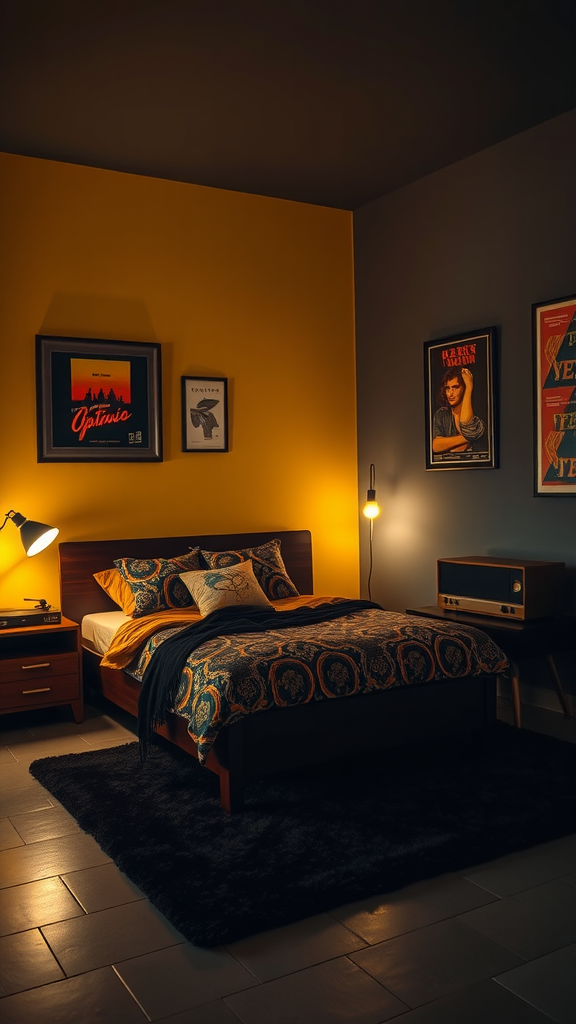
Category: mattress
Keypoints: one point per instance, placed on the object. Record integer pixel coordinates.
(99, 628)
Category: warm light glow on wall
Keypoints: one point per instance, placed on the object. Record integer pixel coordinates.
(255, 289)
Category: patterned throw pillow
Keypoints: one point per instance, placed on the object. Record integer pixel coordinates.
(269, 568)
(116, 587)
(155, 582)
(219, 588)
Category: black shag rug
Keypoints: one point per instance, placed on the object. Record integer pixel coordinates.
(310, 840)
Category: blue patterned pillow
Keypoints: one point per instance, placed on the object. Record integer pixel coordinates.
(155, 582)
(219, 588)
(268, 565)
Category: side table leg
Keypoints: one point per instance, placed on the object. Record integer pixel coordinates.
(559, 688)
(516, 694)
(78, 710)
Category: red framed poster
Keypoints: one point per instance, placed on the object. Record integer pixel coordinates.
(98, 400)
(554, 339)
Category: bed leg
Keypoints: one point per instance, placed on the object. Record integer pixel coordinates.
(232, 776)
(486, 734)
(231, 792)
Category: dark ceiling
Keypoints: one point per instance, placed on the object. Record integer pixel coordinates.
(333, 102)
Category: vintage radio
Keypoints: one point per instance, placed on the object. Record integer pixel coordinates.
(506, 587)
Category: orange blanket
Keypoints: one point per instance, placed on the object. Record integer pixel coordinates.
(128, 640)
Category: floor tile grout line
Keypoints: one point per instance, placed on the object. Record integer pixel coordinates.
(541, 956)
(470, 928)
(529, 888)
(129, 990)
(416, 928)
(230, 995)
(90, 913)
(79, 974)
(73, 895)
(372, 978)
(288, 974)
(50, 948)
(518, 995)
(34, 842)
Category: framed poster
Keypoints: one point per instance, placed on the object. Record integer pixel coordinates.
(204, 414)
(98, 401)
(554, 340)
(459, 397)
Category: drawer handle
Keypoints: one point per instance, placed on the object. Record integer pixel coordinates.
(39, 664)
(41, 689)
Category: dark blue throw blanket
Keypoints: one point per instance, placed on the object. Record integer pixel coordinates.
(162, 676)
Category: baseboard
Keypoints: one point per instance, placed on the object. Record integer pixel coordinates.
(538, 696)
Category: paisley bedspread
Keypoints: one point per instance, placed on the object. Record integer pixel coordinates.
(232, 676)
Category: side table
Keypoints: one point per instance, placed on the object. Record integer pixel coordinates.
(41, 666)
(527, 639)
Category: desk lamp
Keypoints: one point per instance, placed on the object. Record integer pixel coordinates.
(34, 536)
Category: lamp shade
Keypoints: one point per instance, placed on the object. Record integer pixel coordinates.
(35, 536)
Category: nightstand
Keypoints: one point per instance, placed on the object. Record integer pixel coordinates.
(526, 639)
(40, 666)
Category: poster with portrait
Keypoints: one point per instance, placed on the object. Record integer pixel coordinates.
(204, 414)
(459, 398)
(554, 340)
(98, 400)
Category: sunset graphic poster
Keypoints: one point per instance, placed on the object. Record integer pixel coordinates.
(90, 377)
(98, 400)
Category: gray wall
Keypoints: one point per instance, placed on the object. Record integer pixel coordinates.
(471, 246)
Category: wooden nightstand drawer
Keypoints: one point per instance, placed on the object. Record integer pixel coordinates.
(16, 695)
(38, 667)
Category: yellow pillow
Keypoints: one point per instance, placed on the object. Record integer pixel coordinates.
(116, 587)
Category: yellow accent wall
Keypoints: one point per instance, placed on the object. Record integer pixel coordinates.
(254, 289)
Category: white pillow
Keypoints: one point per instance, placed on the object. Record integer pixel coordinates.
(219, 588)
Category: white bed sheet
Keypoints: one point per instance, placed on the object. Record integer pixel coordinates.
(99, 628)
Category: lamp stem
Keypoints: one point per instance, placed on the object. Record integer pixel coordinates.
(370, 562)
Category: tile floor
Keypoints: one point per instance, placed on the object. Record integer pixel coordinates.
(80, 943)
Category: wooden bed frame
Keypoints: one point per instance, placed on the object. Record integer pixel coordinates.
(288, 737)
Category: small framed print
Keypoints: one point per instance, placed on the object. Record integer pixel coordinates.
(459, 398)
(554, 342)
(98, 400)
(204, 414)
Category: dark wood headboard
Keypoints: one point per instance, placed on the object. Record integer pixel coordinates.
(79, 560)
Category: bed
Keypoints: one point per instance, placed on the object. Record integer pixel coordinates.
(313, 729)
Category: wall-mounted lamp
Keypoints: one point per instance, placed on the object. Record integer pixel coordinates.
(34, 536)
(371, 509)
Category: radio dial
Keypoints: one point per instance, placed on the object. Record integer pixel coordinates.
(516, 586)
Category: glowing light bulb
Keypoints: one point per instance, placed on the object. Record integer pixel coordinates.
(371, 509)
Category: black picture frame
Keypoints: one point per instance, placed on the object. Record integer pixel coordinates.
(98, 400)
(554, 374)
(204, 414)
(468, 361)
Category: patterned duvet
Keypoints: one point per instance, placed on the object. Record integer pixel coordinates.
(368, 650)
